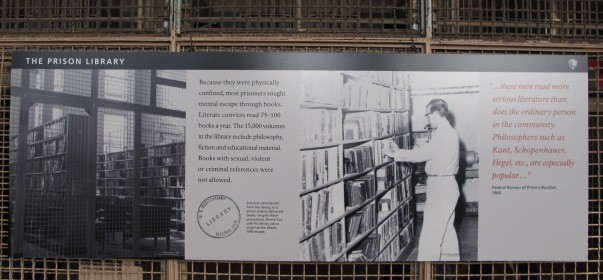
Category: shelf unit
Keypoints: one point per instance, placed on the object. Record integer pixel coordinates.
(162, 179)
(115, 174)
(56, 186)
(356, 204)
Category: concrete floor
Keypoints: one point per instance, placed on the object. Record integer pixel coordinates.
(467, 234)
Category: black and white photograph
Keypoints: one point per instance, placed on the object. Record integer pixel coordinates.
(97, 163)
(389, 166)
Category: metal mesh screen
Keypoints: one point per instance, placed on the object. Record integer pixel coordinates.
(281, 47)
(261, 270)
(526, 19)
(385, 17)
(69, 16)
(559, 270)
(578, 20)
(57, 268)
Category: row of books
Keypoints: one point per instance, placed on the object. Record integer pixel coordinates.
(395, 78)
(391, 252)
(407, 235)
(115, 191)
(177, 182)
(405, 188)
(360, 222)
(327, 87)
(392, 123)
(322, 87)
(163, 161)
(319, 167)
(385, 177)
(115, 182)
(388, 229)
(55, 146)
(163, 171)
(325, 245)
(359, 125)
(115, 165)
(387, 202)
(357, 159)
(406, 212)
(176, 148)
(380, 157)
(43, 149)
(162, 192)
(366, 250)
(403, 141)
(53, 164)
(403, 169)
(398, 244)
(320, 126)
(116, 173)
(359, 190)
(44, 181)
(322, 206)
(372, 96)
(47, 131)
(116, 156)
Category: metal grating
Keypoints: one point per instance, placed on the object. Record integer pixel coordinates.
(522, 19)
(270, 271)
(281, 47)
(73, 16)
(59, 268)
(384, 17)
(159, 269)
(559, 270)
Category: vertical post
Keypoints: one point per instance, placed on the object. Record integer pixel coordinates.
(172, 269)
(429, 27)
(92, 146)
(175, 22)
(427, 4)
(425, 270)
(139, 16)
(136, 220)
(21, 187)
(17, 239)
(554, 17)
(298, 15)
(153, 93)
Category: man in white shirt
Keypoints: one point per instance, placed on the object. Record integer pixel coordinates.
(438, 240)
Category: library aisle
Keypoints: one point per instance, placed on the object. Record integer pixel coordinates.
(97, 163)
(357, 205)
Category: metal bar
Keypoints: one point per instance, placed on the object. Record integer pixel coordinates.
(79, 101)
(91, 168)
(153, 82)
(19, 227)
(136, 182)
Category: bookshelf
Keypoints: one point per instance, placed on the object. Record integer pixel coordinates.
(162, 180)
(161, 185)
(115, 174)
(356, 204)
(56, 186)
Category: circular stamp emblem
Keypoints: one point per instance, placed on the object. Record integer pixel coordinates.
(218, 216)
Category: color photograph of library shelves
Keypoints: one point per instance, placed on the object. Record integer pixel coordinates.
(97, 163)
(358, 205)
